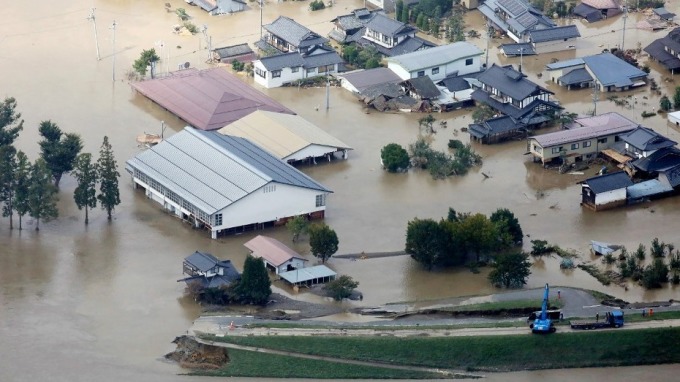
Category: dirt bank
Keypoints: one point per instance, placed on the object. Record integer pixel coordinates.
(191, 354)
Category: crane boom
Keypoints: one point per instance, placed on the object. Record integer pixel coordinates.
(544, 306)
(543, 324)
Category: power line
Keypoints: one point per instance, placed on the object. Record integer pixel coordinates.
(113, 72)
(94, 24)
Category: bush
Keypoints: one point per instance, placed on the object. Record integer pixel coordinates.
(182, 14)
(191, 27)
(646, 114)
(317, 5)
(342, 287)
(455, 144)
(394, 157)
(238, 65)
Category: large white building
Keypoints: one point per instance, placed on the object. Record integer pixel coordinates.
(439, 62)
(224, 183)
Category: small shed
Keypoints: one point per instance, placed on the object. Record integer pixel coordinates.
(496, 130)
(605, 191)
(664, 14)
(241, 52)
(317, 274)
(276, 255)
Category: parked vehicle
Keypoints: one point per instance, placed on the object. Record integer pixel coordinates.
(613, 319)
(543, 324)
(555, 315)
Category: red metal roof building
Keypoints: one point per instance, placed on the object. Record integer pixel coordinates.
(207, 99)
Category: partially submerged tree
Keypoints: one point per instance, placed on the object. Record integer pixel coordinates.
(148, 57)
(254, 286)
(482, 113)
(297, 226)
(323, 241)
(655, 274)
(506, 222)
(22, 184)
(425, 242)
(394, 157)
(42, 194)
(10, 121)
(59, 150)
(427, 122)
(85, 194)
(341, 287)
(109, 195)
(665, 104)
(8, 168)
(479, 234)
(510, 270)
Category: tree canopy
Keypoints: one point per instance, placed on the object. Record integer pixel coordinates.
(507, 223)
(146, 58)
(341, 287)
(323, 241)
(42, 194)
(425, 242)
(8, 168)
(254, 286)
(394, 157)
(10, 121)
(58, 150)
(510, 270)
(109, 195)
(86, 174)
(22, 185)
(297, 226)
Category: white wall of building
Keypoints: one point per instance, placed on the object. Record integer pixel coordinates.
(294, 262)
(613, 196)
(269, 81)
(313, 151)
(438, 72)
(260, 206)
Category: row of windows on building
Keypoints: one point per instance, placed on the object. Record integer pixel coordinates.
(295, 69)
(576, 146)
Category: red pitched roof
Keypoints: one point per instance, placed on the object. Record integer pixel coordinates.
(270, 249)
(207, 99)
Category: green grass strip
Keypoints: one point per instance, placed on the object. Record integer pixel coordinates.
(245, 363)
(502, 353)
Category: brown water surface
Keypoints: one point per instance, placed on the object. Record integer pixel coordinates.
(100, 302)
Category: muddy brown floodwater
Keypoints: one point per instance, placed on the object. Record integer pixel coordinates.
(101, 302)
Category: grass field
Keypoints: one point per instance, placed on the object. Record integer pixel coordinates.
(492, 353)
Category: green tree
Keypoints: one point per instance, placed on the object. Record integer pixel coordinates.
(297, 226)
(405, 15)
(341, 287)
(109, 195)
(427, 122)
(479, 234)
(676, 98)
(323, 241)
(452, 247)
(8, 168)
(394, 157)
(86, 174)
(425, 241)
(10, 121)
(420, 20)
(655, 274)
(510, 270)
(147, 58)
(665, 103)
(42, 194)
(22, 184)
(399, 9)
(506, 221)
(58, 150)
(482, 113)
(254, 286)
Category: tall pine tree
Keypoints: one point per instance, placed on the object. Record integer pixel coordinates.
(59, 150)
(42, 194)
(254, 286)
(10, 122)
(22, 184)
(85, 172)
(8, 164)
(109, 195)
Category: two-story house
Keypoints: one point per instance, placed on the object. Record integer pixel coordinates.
(666, 50)
(281, 69)
(515, 18)
(509, 92)
(459, 58)
(581, 141)
(391, 37)
(208, 271)
(350, 27)
(285, 35)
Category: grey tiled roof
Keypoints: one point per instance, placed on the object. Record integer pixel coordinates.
(293, 32)
(363, 79)
(234, 50)
(658, 52)
(646, 139)
(457, 83)
(556, 33)
(280, 61)
(201, 261)
(508, 81)
(609, 182)
(424, 87)
(322, 59)
(387, 26)
(497, 125)
(662, 159)
(522, 49)
(587, 12)
(576, 76)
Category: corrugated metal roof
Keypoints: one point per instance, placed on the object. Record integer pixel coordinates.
(208, 99)
(293, 32)
(212, 171)
(284, 60)
(576, 76)
(647, 188)
(281, 135)
(270, 249)
(362, 79)
(565, 64)
(201, 261)
(556, 33)
(439, 55)
(611, 70)
(387, 26)
(307, 274)
(590, 127)
(602, 4)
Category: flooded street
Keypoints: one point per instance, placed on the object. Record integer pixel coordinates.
(101, 302)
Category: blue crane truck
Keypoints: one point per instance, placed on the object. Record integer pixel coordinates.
(613, 319)
(543, 323)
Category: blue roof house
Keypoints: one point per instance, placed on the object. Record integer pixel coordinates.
(604, 70)
(224, 183)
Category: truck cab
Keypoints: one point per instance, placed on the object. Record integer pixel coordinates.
(615, 318)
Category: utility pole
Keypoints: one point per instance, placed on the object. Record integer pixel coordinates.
(94, 24)
(113, 75)
(328, 92)
(625, 16)
(207, 41)
(596, 97)
(521, 53)
(488, 38)
(261, 7)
